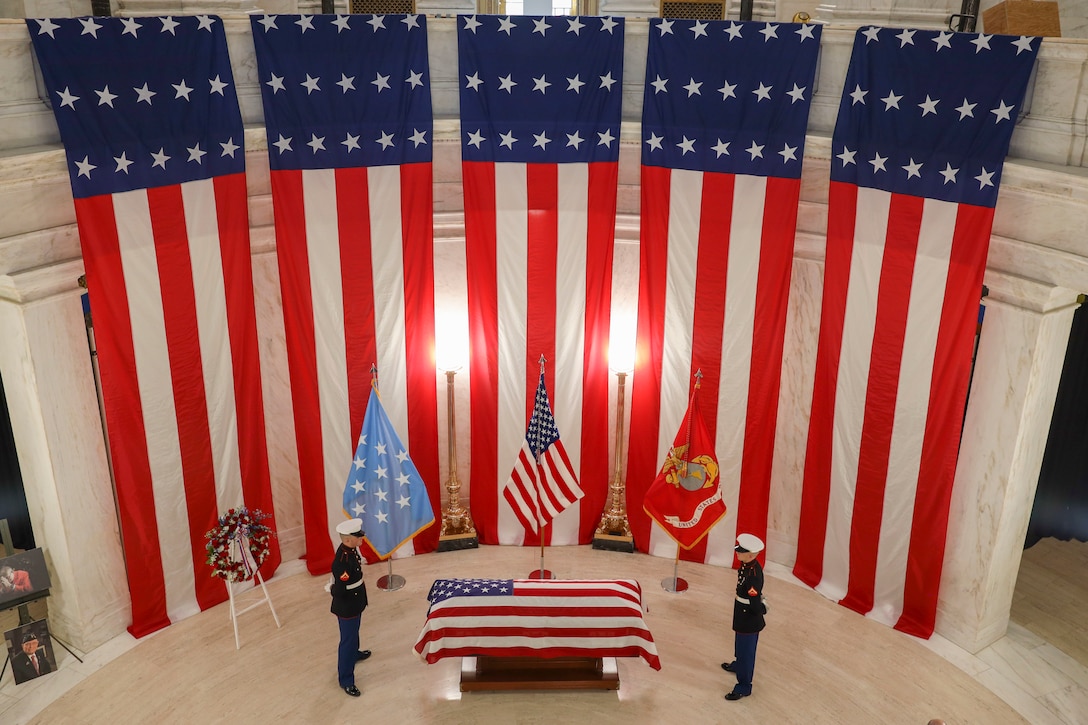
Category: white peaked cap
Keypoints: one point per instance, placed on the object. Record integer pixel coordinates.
(349, 527)
(750, 542)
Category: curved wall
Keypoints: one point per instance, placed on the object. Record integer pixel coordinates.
(1038, 263)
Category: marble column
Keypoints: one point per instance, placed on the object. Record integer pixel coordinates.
(1018, 366)
(48, 377)
(931, 14)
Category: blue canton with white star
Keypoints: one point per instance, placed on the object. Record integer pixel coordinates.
(542, 431)
(540, 89)
(344, 90)
(140, 102)
(931, 113)
(444, 589)
(728, 97)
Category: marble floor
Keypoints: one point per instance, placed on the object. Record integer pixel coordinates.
(818, 662)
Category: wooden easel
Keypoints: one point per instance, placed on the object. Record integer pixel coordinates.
(243, 551)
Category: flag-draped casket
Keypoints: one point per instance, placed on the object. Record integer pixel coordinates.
(148, 115)
(922, 132)
(723, 134)
(348, 117)
(540, 123)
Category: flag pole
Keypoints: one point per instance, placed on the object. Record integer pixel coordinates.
(540, 573)
(390, 582)
(675, 583)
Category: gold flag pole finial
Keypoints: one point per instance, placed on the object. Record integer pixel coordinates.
(687, 447)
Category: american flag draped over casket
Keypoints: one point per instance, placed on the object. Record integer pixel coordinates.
(531, 618)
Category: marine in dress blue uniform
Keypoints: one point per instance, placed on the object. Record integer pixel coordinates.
(348, 601)
(748, 611)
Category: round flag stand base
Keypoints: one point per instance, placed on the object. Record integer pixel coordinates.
(390, 582)
(541, 574)
(674, 584)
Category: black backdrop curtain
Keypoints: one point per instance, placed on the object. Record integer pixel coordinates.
(12, 499)
(1061, 501)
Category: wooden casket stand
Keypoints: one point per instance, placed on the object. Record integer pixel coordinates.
(537, 673)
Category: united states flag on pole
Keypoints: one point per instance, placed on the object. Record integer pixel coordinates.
(543, 483)
(723, 134)
(923, 128)
(540, 121)
(384, 488)
(525, 617)
(149, 118)
(347, 107)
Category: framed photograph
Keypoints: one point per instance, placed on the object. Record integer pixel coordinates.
(23, 578)
(31, 651)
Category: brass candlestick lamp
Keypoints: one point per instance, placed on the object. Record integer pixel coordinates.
(614, 531)
(458, 531)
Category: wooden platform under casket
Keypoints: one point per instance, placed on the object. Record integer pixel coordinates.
(537, 673)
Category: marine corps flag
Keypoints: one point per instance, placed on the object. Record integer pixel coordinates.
(686, 497)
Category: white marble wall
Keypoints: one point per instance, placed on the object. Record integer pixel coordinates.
(1018, 366)
(892, 13)
(51, 395)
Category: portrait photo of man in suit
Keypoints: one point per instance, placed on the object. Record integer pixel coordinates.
(30, 650)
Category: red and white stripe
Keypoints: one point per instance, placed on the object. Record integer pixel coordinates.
(902, 285)
(538, 493)
(575, 618)
(171, 289)
(357, 276)
(716, 258)
(539, 265)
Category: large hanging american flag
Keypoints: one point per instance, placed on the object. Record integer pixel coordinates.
(347, 107)
(149, 117)
(540, 121)
(922, 133)
(723, 129)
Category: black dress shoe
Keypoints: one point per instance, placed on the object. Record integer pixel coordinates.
(352, 690)
(729, 666)
(734, 696)
(362, 655)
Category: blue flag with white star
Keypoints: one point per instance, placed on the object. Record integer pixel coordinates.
(384, 489)
(141, 102)
(930, 113)
(728, 97)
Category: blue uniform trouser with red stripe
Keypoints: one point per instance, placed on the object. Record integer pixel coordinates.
(744, 647)
(348, 653)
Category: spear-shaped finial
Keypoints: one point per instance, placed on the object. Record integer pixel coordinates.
(691, 410)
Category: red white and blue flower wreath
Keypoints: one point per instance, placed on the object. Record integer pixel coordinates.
(238, 528)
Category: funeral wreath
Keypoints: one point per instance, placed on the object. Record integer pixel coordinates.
(240, 532)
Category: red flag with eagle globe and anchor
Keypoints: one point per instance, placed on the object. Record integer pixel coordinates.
(686, 497)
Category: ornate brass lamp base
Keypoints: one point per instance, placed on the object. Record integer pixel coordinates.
(457, 542)
(614, 542)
